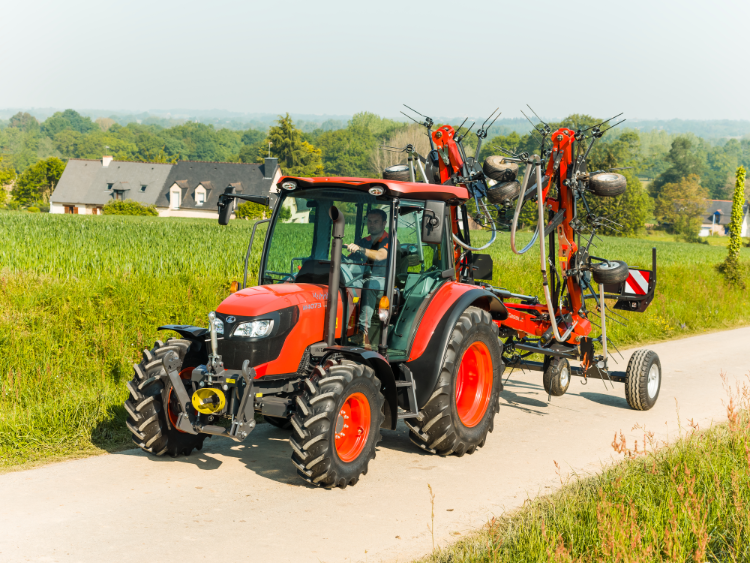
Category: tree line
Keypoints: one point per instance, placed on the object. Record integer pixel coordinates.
(669, 176)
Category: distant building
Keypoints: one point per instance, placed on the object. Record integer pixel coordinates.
(185, 189)
(719, 215)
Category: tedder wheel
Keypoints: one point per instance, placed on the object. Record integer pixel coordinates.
(151, 422)
(461, 410)
(643, 380)
(556, 376)
(278, 422)
(608, 184)
(500, 193)
(616, 271)
(496, 168)
(397, 172)
(337, 425)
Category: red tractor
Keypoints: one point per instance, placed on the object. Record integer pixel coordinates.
(367, 310)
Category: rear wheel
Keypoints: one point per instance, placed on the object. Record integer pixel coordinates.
(461, 410)
(337, 425)
(643, 380)
(153, 409)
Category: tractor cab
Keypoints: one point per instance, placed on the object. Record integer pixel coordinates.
(386, 268)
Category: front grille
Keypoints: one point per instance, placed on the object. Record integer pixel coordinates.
(234, 350)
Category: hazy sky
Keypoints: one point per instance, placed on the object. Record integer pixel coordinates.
(650, 59)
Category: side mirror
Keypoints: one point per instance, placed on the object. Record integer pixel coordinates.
(226, 206)
(432, 222)
(482, 266)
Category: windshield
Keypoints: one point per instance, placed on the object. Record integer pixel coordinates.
(300, 244)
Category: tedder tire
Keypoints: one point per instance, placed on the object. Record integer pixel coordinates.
(500, 193)
(398, 172)
(148, 419)
(461, 410)
(337, 425)
(496, 168)
(556, 378)
(614, 272)
(608, 184)
(643, 380)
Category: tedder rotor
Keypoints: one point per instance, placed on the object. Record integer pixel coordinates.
(370, 308)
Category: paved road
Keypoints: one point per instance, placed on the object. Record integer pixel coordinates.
(244, 503)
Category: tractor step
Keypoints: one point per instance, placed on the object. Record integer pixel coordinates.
(411, 393)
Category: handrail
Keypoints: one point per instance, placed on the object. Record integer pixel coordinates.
(250, 248)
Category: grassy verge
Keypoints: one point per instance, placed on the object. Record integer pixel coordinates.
(81, 296)
(687, 501)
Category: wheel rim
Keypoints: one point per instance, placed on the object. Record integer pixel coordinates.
(352, 427)
(611, 266)
(172, 410)
(653, 380)
(474, 384)
(564, 376)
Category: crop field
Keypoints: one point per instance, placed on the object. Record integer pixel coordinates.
(81, 296)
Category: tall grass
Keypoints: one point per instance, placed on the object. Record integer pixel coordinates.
(81, 296)
(688, 501)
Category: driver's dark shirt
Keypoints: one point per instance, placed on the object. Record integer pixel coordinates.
(376, 267)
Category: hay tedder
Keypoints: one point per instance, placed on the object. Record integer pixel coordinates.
(371, 308)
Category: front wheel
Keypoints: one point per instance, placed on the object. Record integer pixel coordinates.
(461, 410)
(337, 425)
(643, 380)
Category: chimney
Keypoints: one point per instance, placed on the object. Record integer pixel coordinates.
(269, 168)
(106, 160)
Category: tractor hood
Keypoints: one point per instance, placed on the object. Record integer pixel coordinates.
(298, 311)
(262, 299)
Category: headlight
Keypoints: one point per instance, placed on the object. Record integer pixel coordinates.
(219, 324)
(254, 329)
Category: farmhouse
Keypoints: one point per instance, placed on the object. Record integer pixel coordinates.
(718, 216)
(184, 189)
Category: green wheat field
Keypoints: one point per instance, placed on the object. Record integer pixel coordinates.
(81, 297)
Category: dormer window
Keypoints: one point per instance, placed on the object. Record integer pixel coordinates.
(109, 186)
(200, 195)
(143, 188)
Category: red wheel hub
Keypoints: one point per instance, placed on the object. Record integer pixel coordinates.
(352, 427)
(172, 408)
(474, 384)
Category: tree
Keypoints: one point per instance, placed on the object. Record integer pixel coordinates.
(7, 177)
(129, 207)
(346, 152)
(684, 160)
(24, 121)
(105, 123)
(296, 156)
(731, 266)
(38, 181)
(681, 205)
(250, 210)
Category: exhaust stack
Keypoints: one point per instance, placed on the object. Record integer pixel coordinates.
(334, 276)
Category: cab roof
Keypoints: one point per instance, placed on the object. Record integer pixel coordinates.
(394, 188)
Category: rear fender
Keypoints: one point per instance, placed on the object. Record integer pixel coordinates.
(436, 326)
(382, 369)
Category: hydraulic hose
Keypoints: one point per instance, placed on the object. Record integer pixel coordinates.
(519, 205)
(462, 244)
(543, 255)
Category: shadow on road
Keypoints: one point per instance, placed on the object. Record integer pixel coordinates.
(609, 400)
(267, 453)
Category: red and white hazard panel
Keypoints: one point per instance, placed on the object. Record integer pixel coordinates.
(637, 282)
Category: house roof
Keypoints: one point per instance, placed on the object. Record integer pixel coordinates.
(90, 182)
(87, 181)
(215, 177)
(722, 209)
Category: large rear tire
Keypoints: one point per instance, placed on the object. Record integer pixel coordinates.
(461, 410)
(337, 425)
(149, 420)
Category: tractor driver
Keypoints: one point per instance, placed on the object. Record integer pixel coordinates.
(374, 249)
